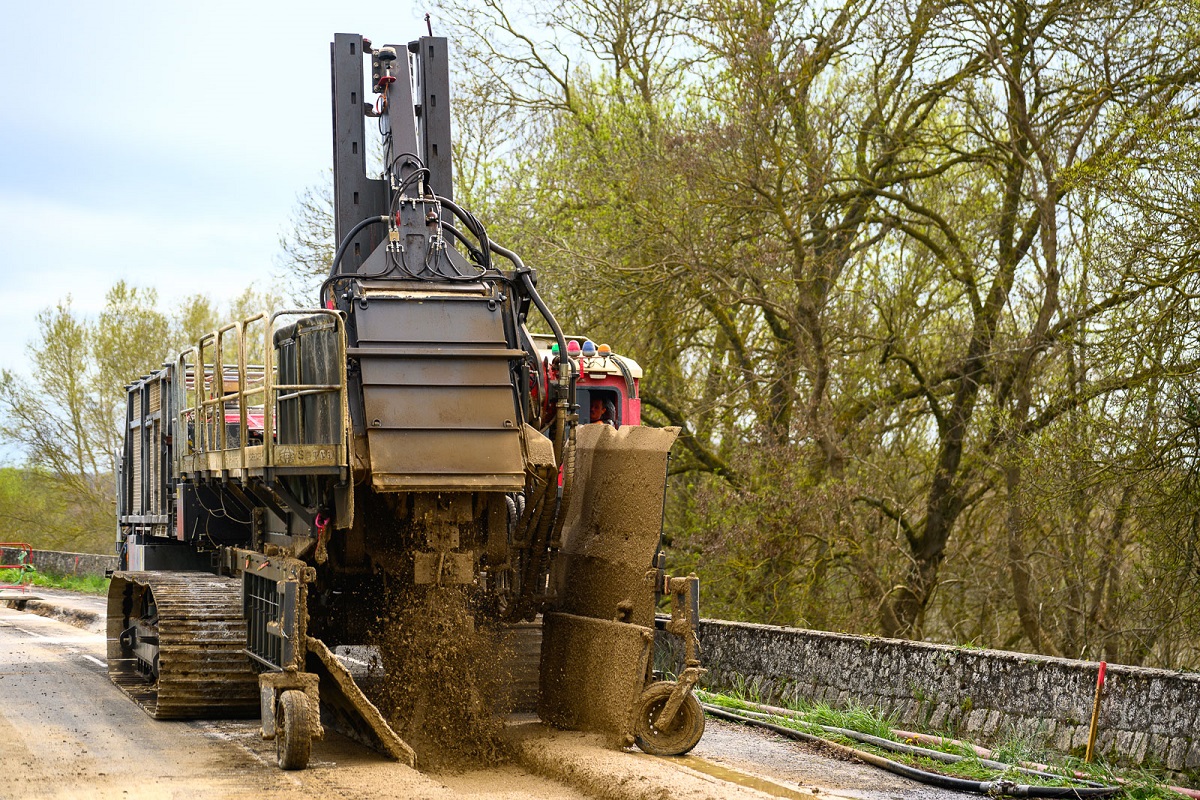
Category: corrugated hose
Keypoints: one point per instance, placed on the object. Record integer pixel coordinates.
(1001, 788)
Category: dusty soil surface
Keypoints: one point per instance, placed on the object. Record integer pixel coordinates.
(802, 765)
(66, 731)
(581, 760)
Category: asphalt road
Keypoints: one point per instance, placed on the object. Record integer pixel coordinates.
(66, 732)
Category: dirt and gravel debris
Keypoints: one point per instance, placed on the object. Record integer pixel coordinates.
(72, 734)
(443, 690)
(80, 610)
(582, 762)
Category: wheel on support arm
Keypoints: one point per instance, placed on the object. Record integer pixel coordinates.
(293, 735)
(680, 735)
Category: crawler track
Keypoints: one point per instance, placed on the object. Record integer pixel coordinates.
(201, 670)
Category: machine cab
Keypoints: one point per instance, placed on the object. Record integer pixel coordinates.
(607, 386)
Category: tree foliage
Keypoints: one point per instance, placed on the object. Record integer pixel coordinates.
(307, 244)
(916, 278)
(66, 416)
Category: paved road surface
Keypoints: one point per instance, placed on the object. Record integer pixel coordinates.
(66, 731)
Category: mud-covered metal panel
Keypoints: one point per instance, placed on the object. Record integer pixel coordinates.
(445, 461)
(349, 710)
(307, 353)
(464, 317)
(439, 405)
(434, 371)
(613, 522)
(592, 672)
(432, 407)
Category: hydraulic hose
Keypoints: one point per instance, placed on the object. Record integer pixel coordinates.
(1001, 787)
(475, 227)
(568, 485)
(341, 251)
(564, 363)
(533, 293)
(475, 252)
(487, 246)
(349, 237)
(625, 373)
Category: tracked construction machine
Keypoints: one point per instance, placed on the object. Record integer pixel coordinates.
(288, 476)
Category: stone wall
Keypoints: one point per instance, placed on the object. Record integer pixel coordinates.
(1148, 716)
(58, 563)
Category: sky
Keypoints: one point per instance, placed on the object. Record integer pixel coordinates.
(160, 143)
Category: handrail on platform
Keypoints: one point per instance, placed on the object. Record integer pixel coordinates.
(217, 376)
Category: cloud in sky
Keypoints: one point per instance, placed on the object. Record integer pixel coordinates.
(159, 143)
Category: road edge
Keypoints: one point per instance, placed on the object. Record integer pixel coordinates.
(60, 610)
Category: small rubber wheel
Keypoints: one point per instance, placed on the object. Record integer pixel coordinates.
(293, 736)
(681, 735)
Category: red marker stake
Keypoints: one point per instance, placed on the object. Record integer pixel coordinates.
(1095, 711)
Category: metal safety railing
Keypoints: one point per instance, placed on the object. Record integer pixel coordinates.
(229, 393)
(23, 562)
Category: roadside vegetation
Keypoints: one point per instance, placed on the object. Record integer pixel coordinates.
(87, 584)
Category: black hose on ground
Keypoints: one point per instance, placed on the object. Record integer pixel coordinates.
(914, 750)
(1000, 787)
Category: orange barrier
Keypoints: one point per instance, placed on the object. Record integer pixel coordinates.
(24, 564)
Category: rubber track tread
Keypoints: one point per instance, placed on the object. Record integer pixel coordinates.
(203, 671)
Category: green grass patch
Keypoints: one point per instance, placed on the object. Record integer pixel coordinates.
(87, 584)
(1022, 747)
(854, 717)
